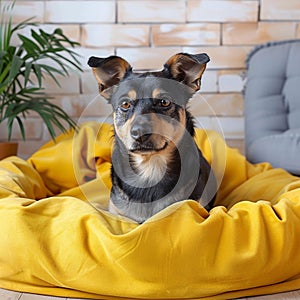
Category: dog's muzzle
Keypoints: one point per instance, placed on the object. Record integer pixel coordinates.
(144, 137)
(141, 130)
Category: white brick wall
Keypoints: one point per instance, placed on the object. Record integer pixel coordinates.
(147, 33)
(186, 34)
(280, 10)
(151, 11)
(222, 11)
(255, 33)
(115, 35)
(80, 11)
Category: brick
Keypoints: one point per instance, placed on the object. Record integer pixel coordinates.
(298, 31)
(71, 31)
(154, 11)
(209, 82)
(27, 148)
(80, 11)
(257, 33)
(115, 35)
(223, 57)
(98, 108)
(187, 34)
(280, 10)
(147, 58)
(90, 86)
(27, 9)
(203, 122)
(46, 135)
(222, 11)
(68, 85)
(232, 127)
(89, 83)
(231, 81)
(84, 106)
(229, 105)
(33, 129)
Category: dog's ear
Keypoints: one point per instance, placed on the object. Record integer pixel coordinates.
(188, 68)
(108, 72)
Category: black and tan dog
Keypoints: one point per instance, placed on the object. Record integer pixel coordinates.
(155, 160)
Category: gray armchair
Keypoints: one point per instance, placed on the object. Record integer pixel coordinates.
(272, 105)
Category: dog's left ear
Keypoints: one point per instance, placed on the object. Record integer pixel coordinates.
(188, 68)
(109, 71)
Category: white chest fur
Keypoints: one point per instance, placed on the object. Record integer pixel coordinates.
(151, 168)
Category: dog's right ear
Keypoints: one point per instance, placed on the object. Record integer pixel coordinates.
(108, 72)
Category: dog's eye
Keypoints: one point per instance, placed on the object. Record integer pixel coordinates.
(165, 102)
(125, 105)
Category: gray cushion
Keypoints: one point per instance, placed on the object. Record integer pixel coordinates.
(272, 105)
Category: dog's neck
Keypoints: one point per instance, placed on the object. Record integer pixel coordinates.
(151, 168)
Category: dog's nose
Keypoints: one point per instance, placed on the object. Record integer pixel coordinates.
(141, 131)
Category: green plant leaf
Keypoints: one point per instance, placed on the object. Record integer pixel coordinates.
(39, 38)
(28, 67)
(38, 73)
(52, 72)
(21, 126)
(10, 72)
(3, 76)
(30, 47)
(16, 64)
(19, 67)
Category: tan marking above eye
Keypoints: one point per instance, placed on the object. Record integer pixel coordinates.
(156, 92)
(132, 94)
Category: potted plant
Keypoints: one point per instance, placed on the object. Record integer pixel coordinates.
(22, 71)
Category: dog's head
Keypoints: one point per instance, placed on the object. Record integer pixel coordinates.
(149, 108)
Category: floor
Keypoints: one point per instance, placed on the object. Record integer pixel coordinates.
(9, 295)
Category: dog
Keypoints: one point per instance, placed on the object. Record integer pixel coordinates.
(155, 160)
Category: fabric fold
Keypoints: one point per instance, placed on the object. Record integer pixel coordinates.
(58, 238)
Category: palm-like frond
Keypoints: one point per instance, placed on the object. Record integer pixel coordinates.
(22, 71)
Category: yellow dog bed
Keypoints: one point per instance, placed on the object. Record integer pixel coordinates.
(66, 244)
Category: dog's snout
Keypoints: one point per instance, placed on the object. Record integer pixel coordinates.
(142, 138)
(141, 130)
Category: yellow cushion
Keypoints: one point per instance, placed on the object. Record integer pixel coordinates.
(67, 244)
